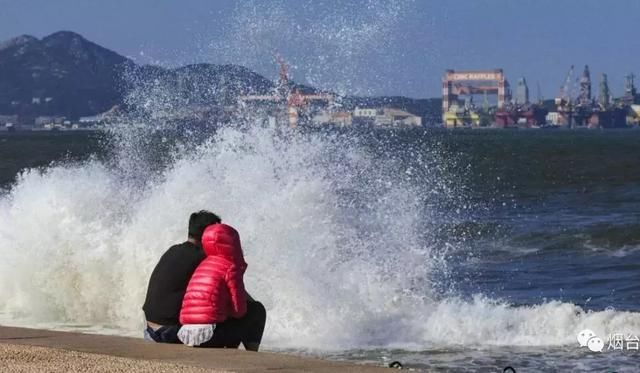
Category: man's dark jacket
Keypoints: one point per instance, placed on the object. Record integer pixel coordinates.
(169, 281)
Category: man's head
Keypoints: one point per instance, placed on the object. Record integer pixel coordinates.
(198, 221)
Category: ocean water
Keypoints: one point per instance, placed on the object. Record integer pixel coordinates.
(461, 250)
(445, 250)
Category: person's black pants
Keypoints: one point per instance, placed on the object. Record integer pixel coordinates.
(246, 330)
(164, 334)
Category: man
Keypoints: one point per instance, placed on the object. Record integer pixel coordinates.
(169, 280)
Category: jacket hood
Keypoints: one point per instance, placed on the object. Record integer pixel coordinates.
(223, 240)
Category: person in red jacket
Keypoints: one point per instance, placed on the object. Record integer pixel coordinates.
(216, 309)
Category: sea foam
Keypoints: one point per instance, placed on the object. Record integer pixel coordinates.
(332, 234)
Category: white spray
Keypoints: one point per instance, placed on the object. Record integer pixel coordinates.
(331, 233)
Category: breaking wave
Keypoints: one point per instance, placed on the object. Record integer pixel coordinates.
(334, 236)
(341, 239)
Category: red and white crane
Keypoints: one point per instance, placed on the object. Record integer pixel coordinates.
(295, 100)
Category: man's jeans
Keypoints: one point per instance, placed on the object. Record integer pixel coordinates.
(164, 334)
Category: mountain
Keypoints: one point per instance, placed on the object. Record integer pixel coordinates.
(64, 74)
(219, 84)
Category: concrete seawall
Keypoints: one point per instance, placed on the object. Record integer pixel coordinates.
(36, 350)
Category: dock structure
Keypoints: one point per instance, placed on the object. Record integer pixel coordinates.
(468, 83)
(294, 99)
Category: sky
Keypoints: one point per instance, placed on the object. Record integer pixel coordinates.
(368, 47)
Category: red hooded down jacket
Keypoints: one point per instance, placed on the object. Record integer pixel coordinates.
(216, 289)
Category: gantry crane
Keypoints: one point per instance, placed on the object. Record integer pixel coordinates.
(294, 99)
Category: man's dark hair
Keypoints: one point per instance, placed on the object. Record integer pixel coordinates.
(198, 221)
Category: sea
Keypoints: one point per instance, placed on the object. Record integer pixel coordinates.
(446, 250)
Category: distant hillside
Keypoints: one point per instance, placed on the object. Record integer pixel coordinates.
(61, 74)
(64, 74)
(203, 84)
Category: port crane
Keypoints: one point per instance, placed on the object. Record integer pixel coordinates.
(295, 99)
(563, 101)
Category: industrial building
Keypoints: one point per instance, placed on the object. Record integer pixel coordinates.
(522, 92)
(341, 118)
(386, 117)
(553, 118)
(634, 118)
(460, 116)
(459, 109)
(603, 112)
(455, 84)
(365, 112)
(581, 109)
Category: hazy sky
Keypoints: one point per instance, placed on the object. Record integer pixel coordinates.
(364, 47)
